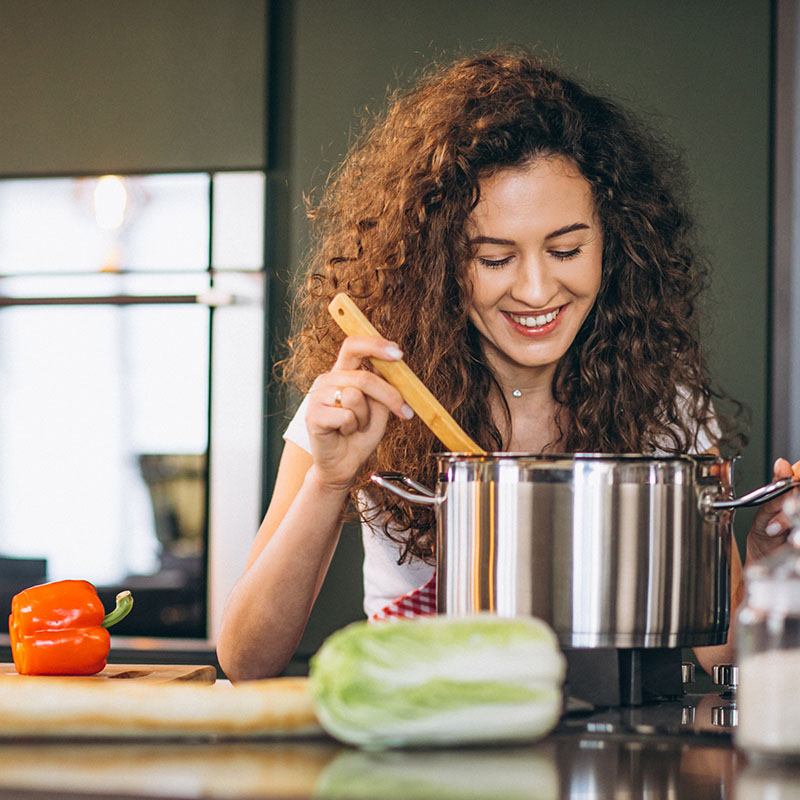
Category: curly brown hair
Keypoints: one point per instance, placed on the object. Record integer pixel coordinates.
(390, 230)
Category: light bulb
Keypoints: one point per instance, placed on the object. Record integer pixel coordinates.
(110, 202)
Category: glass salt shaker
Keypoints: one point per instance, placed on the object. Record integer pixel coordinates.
(768, 651)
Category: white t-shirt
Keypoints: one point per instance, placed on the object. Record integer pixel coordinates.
(384, 579)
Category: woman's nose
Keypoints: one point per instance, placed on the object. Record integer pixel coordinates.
(535, 284)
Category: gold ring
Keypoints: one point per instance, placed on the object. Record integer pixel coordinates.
(337, 398)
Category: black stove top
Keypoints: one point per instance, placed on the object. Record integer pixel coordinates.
(709, 713)
(645, 691)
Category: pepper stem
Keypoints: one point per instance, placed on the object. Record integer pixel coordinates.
(124, 605)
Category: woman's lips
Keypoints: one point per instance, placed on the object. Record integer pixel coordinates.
(535, 324)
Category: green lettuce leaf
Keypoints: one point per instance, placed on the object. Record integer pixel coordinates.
(438, 680)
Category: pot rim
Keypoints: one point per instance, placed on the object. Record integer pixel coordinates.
(584, 456)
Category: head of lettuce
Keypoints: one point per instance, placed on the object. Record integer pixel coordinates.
(438, 681)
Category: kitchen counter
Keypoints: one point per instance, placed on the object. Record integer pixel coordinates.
(561, 766)
(615, 753)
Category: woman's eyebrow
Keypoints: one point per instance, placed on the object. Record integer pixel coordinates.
(575, 226)
(490, 240)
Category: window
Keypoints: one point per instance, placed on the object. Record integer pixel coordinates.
(131, 318)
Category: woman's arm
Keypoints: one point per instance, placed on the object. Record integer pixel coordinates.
(707, 657)
(768, 532)
(770, 527)
(269, 606)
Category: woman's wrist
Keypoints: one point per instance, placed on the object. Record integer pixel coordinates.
(760, 545)
(325, 488)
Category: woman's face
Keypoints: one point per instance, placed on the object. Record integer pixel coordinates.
(537, 265)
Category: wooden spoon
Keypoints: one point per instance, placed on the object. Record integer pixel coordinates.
(353, 322)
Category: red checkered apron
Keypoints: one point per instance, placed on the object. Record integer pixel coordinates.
(419, 603)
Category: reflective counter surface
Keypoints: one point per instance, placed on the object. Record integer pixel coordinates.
(561, 766)
(668, 750)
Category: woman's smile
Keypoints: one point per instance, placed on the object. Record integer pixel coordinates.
(535, 324)
(536, 266)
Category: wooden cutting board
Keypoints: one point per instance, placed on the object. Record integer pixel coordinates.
(151, 673)
(67, 708)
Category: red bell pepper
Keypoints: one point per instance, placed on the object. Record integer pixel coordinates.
(60, 628)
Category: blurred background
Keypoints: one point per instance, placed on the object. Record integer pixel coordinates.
(154, 155)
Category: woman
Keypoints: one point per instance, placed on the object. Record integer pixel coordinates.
(520, 243)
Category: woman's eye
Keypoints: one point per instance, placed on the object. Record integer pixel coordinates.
(565, 255)
(494, 263)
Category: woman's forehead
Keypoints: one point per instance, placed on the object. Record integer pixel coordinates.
(549, 190)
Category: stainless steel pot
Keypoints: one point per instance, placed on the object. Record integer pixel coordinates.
(613, 551)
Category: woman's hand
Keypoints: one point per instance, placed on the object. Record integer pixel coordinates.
(348, 410)
(770, 526)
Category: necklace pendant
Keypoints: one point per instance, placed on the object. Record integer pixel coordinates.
(517, 393)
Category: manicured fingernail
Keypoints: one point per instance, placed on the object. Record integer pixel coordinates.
(774, 528)
(407, 411)
(395, 353)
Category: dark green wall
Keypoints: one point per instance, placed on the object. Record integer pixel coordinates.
(142, 85)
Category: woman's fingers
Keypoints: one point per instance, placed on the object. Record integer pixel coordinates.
(345, 410)
(347, 374)
(353, 409)
(348, 394)
(349, 406)
(779, 523)
(771, 525)
(355, 349)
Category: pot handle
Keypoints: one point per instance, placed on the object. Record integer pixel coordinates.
(422, 494)
(754, 498)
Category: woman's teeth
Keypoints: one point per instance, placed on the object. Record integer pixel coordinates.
(537, 321)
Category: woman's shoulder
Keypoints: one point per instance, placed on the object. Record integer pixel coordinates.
(296, 431)
(702, 425)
